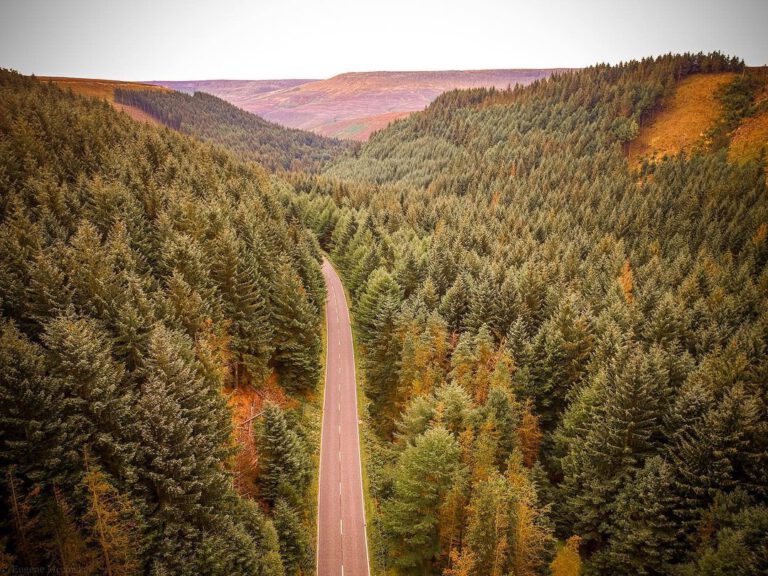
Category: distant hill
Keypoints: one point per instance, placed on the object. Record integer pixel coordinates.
(230, 89)
(355, 104)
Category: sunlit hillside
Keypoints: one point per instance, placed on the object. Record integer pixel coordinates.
(105, 89)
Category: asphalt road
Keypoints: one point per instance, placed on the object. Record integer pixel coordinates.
(341, 532)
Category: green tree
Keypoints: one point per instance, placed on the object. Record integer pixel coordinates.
(422, 478)
(283, 461)
(295, 547)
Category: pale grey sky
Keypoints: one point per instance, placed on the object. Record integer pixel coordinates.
(269, 39)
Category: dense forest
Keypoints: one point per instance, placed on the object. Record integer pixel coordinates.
(250, 137)
(141, 273)
(571, 352)
(565, 358)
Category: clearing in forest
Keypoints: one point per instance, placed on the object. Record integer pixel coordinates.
(684, 119)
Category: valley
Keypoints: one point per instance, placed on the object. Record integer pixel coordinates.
(547, 286)
(355, 104)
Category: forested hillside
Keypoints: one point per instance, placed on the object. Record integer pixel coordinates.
(247, 135)
(141, 273)
(564, 345)
(566, 358)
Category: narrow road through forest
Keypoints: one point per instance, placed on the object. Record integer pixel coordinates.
(341, 532)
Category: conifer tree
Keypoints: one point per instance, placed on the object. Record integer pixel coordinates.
(241, 290)
(455, 303)
(95, 406)
(295, 549)
(643, 537)
(111, 523)
(32, 435)
(567, 562)
(68, 548)
(621, 435)
(296, 339)
(489, 526)
(423, 476)
(283, 460)
(379, 291)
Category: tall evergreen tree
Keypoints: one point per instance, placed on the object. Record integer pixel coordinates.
(283, 460)
(423, 476)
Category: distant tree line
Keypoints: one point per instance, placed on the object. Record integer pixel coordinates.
(250, 137)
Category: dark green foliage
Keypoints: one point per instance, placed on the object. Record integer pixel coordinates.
(295, 540)
(625, 310)
(425, 471)
(739, 547)
(536, 322)
(643, 538)
(283, 459)
(252, 138)
(296, 338)
(138, 278)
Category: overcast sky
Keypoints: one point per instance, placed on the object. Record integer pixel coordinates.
(267, 39)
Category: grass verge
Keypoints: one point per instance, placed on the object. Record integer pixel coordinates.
(312, 416)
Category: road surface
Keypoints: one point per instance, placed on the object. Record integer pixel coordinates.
(342, 548)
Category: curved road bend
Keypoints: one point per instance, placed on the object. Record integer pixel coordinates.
(342, 548)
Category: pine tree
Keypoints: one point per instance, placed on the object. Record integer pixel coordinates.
(710, 451)
(95, 408)
(89, 271)
(31, 422)
(643, 537)
(619, 436)
(409, 273)
(182, 434)
(489, 527)
(506, 412)
(111, 522)
(68, 547)
(133, 321)
(47, 292)
(296, 339)
(482, 303)
(455, 303)
(185, 307)
(415, 418)
(561, 351)
(295, 548)
(283, 461)
(241, 290)
(422, 478)
(567, 562)
(379, 291)
(453, 408)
